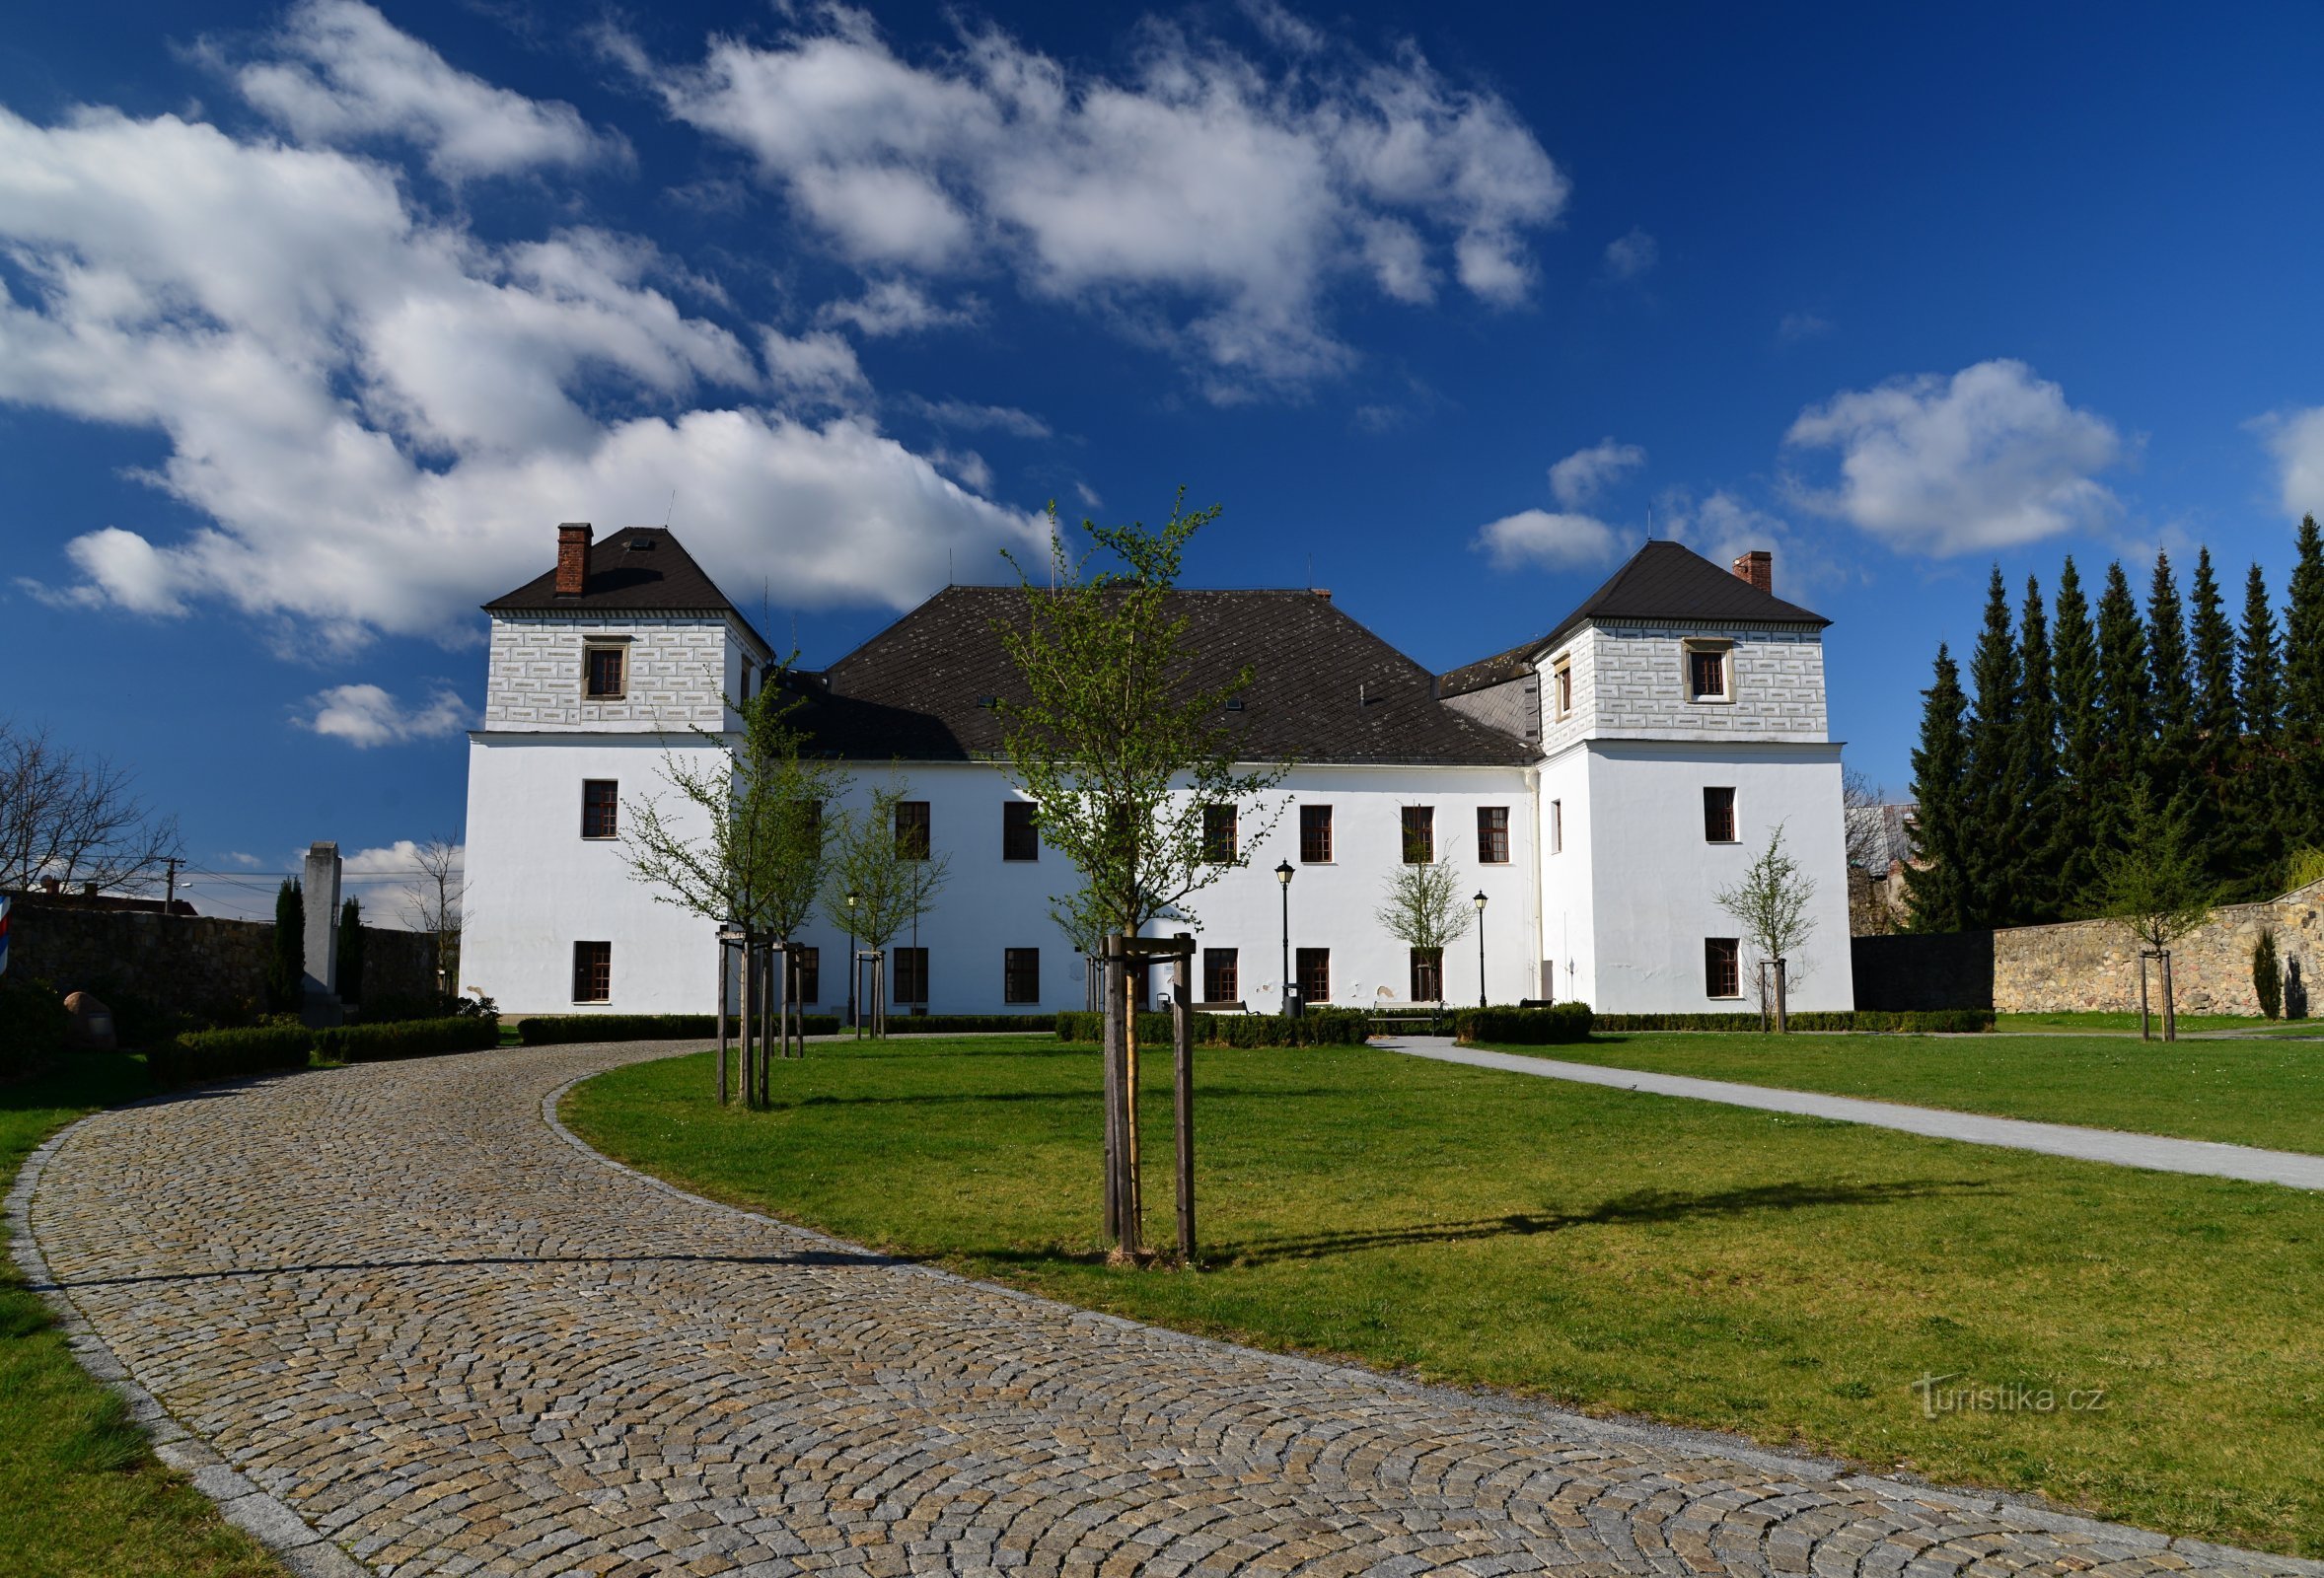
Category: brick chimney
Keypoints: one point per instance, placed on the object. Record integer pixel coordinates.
(573, 558)
(1758, 567)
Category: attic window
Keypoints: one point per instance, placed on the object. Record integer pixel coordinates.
(1234, 703)
(641, 545)
(988, 702)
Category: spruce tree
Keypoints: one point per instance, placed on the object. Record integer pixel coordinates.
(1933, 884)
(1994, 782)
(286, 965)
(2125, 702)
(2261, 800)
(351, 951)
(2171, 687)
(2037, 728)
(2073, 656)
(2216, 792)
(2304, 693)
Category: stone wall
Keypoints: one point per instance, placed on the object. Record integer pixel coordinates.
(679, 667)
(2092, 964)
(198, 965)
(1630, 681)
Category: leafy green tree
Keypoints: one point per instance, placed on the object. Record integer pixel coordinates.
(2037, 730)
(1997, 779)
(1939, 765)
(1422, 905)
(890, 869)
(2072, 860)
(286, 965)
(1770, 905)
(2156, 888)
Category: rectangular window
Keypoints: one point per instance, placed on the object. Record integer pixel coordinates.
(808, 962)
(601, 808)
(1493, 835)
(1218, 835)
(1020, 839)
(1428, 975)
(1706, 673)
(1556, 826)
(592, 972)
(1419, 836)
(1020, 975)
(1315, 835)
(1222, 980)
(1315, 975)
(908, 970)
(912, 830)
(1562, 683)
(606, 671)
(1722, 967)
(1718, 816)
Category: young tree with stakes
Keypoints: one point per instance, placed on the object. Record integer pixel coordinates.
(1422, 906)
(2156, 891)
(433, 906)
(1771, 904)
(1121, 753)
(889, 873)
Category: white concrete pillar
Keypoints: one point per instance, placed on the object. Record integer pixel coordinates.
(321, 881)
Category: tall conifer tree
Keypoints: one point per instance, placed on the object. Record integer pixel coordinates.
(2218, 799)
(2262, 810)
(1994, 784)
(2259, 674)
(2304, 693)
(2126, 706)
(2169, 770)
(2074, 649)
(2037, 728)
(1939, 776)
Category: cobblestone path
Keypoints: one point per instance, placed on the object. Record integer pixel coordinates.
(447, 1338)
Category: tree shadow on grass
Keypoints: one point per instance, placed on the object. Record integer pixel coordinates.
(1642, 1207)
(1076, 1096)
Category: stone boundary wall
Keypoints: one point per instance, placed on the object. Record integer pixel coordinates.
(2092, 964)
(202, 964)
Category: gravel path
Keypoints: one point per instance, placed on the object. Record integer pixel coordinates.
(394, 1311)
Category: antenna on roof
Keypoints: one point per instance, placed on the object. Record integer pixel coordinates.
(1649, 523)
(1311, 572)
(670, 510)
(948, 552)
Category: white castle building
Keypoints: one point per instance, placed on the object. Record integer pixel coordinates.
(1599, 785)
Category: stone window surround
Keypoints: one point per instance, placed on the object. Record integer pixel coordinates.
(1561, 686)
(1691, 646)
(591, 645)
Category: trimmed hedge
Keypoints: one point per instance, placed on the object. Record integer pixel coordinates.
(406, 1037)
(1525, 1027)
(32, 1024)
(207, 1054)
(969, 1023)
(1952, 1020)
(1318, 1027)
(559, 1030)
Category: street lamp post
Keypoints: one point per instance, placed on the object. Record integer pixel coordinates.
(1479, 901)
(1284, 881)
(854, 969)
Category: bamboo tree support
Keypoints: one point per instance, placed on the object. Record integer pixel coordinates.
(1182, 1068)
(1111, 987)
(742, 1021)
(2146, 1026)
(1783, 999)
(2170, 1007)
(722, 953)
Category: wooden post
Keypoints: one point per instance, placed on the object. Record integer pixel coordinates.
(1182, 1069)
(1782, 1004)
(744, 1023)
(1133, 1192)
(2170, 1009)
(722, 951)
(1109, 1036)
(2146, 1028)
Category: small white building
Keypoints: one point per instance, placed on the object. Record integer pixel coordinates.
(1598, 785)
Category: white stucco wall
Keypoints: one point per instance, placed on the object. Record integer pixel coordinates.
(1630, 681)
(535, 885)
(1655, 880)
(1569, 954)
(680, 667)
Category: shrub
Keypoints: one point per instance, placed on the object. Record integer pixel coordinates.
(32, 1024)
(1318, 1027)
(410, 1037)
(1558, 1024)
(2267, 976)
(969, 1023)
(391, 1008)
(559, 1030)
(1950, 1021)
(228, 1053)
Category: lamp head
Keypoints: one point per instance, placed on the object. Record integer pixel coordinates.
(1479, 901)
(1284, 874)
(852, 897)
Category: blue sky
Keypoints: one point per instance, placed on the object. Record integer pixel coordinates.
(318, 319)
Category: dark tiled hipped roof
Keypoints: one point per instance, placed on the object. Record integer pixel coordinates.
(1324, 688)
(639, 569)
(1661, 581)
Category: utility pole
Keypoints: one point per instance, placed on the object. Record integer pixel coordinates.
(170, 892)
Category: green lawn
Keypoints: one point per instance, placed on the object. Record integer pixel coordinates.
(2084, 1023)
(2246, 1092)
(83, 1497)
(1782, 1277)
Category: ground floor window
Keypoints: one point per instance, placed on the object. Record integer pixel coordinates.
(808, 982)
(1428, 975)
(592, 972)
(1315, 975)
(1020, 975)
(1722, 967)
(1222, 978)
(909, 970)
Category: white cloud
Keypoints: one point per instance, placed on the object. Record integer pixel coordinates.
(2297, 440)
(1989, 458)
(1550, 540)
(1198, 198)
(1796, 326)
(365, 715)
(1629, 255)
(396, 893)
(899, 307)
(969, 414)
(1582, 475)
(247, 862)
(345, 74)
(1088, 496)
(384, 416)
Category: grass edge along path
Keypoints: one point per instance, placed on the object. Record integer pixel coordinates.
(1781, 1279)
(83, 1495)
(2262, 1093)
